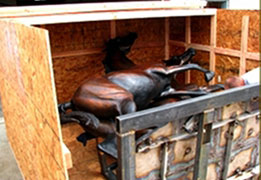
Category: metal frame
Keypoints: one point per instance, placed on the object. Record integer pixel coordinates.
(128, 124)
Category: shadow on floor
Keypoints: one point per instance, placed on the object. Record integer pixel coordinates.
(8, 167)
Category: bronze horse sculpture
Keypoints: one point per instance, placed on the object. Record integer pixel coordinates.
(125, 89)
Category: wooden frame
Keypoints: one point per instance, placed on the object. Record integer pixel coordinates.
(213, 49)
(22, 78)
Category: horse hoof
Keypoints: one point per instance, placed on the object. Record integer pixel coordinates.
(209, 76)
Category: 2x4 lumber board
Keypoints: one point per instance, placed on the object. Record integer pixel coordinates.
(68, 156)
(167, 38)
(99, 50)
(112, 15)
(244, 39)
(113, 29)
(213, 43)
(217, 50)
(77, 53)
(188, 41)
(98, 7)
(146, 118)
(29, 101)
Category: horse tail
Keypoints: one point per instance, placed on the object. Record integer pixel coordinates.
(82, 118)
(62, 108)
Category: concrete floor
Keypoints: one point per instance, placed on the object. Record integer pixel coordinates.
(8, 166)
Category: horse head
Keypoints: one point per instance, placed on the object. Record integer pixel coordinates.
(117, 49)
(121, 43)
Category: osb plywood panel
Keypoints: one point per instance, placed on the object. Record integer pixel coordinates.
(177, 28)
(250, 64)
(202, 59)
(78, 36)
(148, 30)
(85, 159)
(229, 29)
(147, 55)
(70, 72)
(28, 101)
(200, 30)
(226, 66)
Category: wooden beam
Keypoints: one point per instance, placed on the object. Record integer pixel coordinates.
(166, 38)
(113, 28)
(244, 39)
(97, 7)
(217, 50)
(108, 15)
(67, 156)
(77, 53)
(188, 41)
(213, 44)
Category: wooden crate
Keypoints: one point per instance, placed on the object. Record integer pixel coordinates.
(47, 51)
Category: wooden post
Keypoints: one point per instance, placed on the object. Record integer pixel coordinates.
(213, 44)
(188, 42)
(113, 28)
(244, 37)
(166, 38)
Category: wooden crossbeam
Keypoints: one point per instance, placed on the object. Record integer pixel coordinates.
(217, 50)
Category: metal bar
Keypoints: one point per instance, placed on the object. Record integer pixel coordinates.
(186, 135)
(164, 163)
(126, 156)
(203, 146)
(175, 111)
(230, 136)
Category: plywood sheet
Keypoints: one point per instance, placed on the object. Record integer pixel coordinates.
(177, 29)
(200, 30)
(78, 36)
(229, 29)
(250, 64)
(226, 66)
(28, 99)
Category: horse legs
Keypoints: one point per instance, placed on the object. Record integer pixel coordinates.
(181, 59)
(176, 69)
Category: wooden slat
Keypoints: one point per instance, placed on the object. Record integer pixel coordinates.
(29, 101)
(166, 38)
(110, 15)
(68, 156)
(77, 53)
(113, 28)
(217, 50)
(244, 39)
(213, 44)
(94, 7)
(188, 41)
